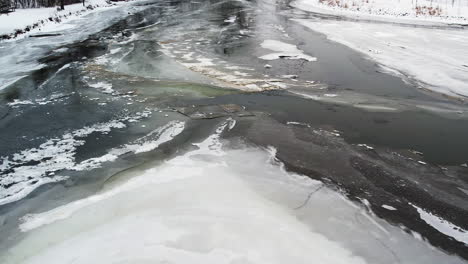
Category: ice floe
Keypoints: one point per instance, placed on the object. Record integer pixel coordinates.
(283, 50)
(443, 226)
(388, 207)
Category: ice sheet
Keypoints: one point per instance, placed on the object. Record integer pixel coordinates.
(436, 58)
(283, 50)
(217, 205)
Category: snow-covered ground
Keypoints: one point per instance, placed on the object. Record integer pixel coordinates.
(407, 11)
(22, 18)
(437, 58)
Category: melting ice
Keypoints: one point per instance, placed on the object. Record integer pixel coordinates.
(216, 204)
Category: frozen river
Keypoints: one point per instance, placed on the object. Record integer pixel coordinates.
(222, 132)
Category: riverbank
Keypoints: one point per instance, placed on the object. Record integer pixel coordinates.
(31, 21)
(429, 53)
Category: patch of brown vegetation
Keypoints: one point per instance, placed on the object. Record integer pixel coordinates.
(428, 11)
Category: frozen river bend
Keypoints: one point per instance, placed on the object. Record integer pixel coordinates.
(222, 132)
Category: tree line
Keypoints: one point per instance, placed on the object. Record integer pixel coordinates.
(37, 3)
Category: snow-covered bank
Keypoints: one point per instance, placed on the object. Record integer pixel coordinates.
(404, 11)
(283, 50)
(437, 58)
(20, 56)
(33, 20)
(216, 205)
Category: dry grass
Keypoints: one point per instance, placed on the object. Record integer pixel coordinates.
(419, 10)
(428, 11)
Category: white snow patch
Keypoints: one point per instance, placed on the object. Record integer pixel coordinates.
(297, 123)
(53, 155)
(253, 87)
(289, 76)
(61, 50)
(283, 50)
(388, 207)
(202, 62)
(231, 19)
(365, 146)
(376, 108)
(188, 56)
(278, 84)
(232, 123)
(443, 226)
(27, 17)
(114, 51)
(20, 102)
(243, 74)
(233, 67)
(105, 87)
(164, 134)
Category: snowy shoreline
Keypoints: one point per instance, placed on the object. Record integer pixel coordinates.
(20, 61)
(401, 11)
(435, 58)
(26, 22)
